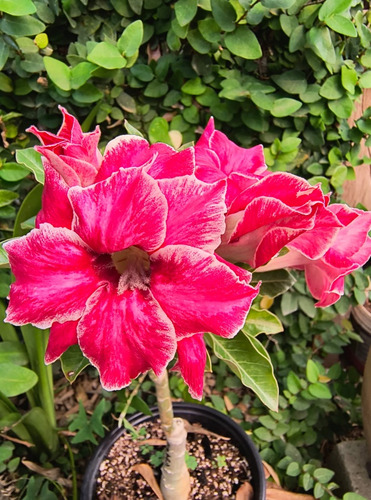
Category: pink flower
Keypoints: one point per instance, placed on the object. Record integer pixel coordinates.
(266, 216)
(134, 276)
(327, 259)
(72, 158)
(219, 158)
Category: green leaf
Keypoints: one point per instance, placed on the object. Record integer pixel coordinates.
(194, 87)
(198, 43)
(274, 283)
(38, 425)
(107, 56)
(320, 391)
(319, 40)
(243, 43)
(58, 72)
(73, 362)
(140, 405)
(293, 469)
(342, 25)
(13, 352)
(306, 304)
(292, 82)
(349, 78)
(4, 54)
(12, 172)
(365, 80)
(312, 371)
(31, 159)
(264, 434)
(21, 25)
(156, 89)
(262, 321)
(159, 131)
(293, 383)
(289, 303)
(339, 176)
(224, 14)
(209, 29)
(18, 8)
(7, 331)
(15, 379)
(248, 359)
(81, 73)
(143, 72)
(331, 7)
(342, 108)
(6, 84)
(323, 475)
(87, 428)
(353, 496)
(285, 107)
(87, 94)
(297, 39)
(7, 197)
(277, 4)
(185, 11)
(30, 207)
(332, 89)
(132, 130)
(130, 40)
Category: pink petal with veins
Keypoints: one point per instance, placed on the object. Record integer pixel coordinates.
(125, 335)
(55, 274)
(199, 293)
(126, 209)
(191, 363)
(196, 212)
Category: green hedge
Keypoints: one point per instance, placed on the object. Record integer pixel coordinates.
(285, 73)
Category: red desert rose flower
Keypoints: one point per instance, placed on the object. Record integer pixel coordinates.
(327, 257)
(217, 158)
(72, 158)
(266, 216)
(134, 278)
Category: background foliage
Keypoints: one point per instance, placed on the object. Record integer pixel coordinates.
(285, 73)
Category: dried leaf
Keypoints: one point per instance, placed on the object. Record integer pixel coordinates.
(228, 403)
(270, 472)
(147, 473)
(279, 494)
(198, 429)
(52, 474)
(245, 492)
(16, 440)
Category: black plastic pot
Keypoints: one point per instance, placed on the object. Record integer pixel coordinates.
(210, 419)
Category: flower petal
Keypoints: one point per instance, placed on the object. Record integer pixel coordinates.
(124, 335)
(126, 209)
(56, 207)
(199, 293)
(122, 152)
(170, 163)
(196, 212)
(62, 336)
(55, 275)
(191, 363)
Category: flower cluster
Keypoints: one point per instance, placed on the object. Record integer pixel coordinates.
(134, 251)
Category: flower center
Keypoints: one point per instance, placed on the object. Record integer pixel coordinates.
(133, 265)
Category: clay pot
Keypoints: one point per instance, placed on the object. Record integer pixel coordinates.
(209, 418)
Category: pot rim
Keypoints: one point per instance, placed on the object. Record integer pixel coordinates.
(209, 418)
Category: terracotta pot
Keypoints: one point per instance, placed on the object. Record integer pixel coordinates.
(210, 419)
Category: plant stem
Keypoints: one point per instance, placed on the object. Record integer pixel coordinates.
(175, 482)
(133, 393)
(45, 378)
